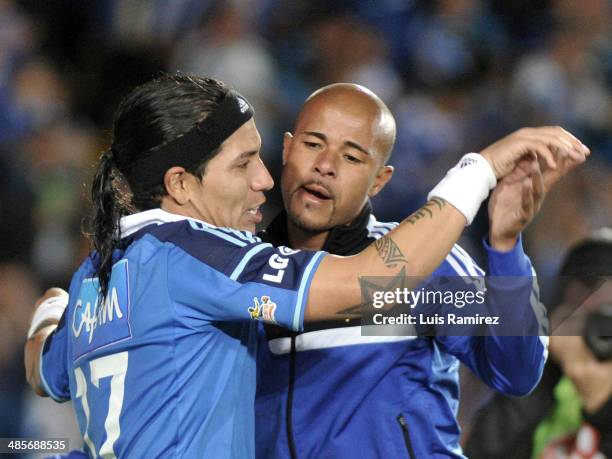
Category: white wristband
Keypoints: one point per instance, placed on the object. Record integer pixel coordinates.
(51, 308)
(466, 185)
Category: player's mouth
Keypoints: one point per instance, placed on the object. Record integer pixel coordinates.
(316, 193)
(254, 214)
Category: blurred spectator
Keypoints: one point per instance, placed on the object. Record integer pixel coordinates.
(579, 204)
(16, 42)
(429, 136)
(566, 82)
(59, 157)
(348, 50)
(150, 22)
(16, 210)
(568, 414)
(17, 294)
(455, 41)
(41, 95)
(225, 46)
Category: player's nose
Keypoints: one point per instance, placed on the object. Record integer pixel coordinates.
(325, 163)
(262, 180)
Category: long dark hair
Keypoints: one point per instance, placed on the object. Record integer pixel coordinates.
(151, 115)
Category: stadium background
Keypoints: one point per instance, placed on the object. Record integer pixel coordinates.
(457, 74)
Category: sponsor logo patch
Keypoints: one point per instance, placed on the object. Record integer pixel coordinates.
(97, 322)
(264, 309)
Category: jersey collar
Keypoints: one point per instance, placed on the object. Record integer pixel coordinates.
(342, 240)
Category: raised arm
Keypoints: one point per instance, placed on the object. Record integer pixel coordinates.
(422, 241)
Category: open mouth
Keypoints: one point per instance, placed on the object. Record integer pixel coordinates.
(317, 192)
(254, 214)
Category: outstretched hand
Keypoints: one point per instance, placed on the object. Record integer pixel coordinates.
(551, 144)
(518, 196)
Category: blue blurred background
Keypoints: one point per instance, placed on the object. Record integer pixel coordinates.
(457, 74)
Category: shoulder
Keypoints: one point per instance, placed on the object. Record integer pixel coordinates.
(214, 246)
(196, 248)
(181, 232)
(87, 269)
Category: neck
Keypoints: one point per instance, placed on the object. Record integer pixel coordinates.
(169, 205)
(305, 240)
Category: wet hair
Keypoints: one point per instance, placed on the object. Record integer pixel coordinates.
(153, 114)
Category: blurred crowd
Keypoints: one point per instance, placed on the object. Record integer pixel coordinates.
(457, 74)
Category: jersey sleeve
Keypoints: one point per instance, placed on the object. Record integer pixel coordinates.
(510, 364)
(54, 357)
(254, 281)
(53, 363)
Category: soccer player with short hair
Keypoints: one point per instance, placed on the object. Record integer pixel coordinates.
(156, 347)
(331, 392)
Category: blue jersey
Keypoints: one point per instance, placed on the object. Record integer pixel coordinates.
(165, 365)
(333, 393)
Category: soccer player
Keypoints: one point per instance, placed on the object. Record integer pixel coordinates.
(330, 392)
(156, 347)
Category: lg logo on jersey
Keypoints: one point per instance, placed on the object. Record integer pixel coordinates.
(279, 264)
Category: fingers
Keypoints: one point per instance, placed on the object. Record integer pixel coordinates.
(575, 142)
(551, 144)
(541, 148)
(527, 200)
(558, 140)
(561, 146)
(537, 182)
(532, 188)
(522, 169)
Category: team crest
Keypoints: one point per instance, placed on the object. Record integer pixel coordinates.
(264, 310)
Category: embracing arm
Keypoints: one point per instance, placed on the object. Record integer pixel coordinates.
(32, 351)
(422, 241)
(49, 309)
(415, 248)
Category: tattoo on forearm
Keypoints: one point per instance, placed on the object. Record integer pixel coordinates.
(370, 285)
(388, 251)
(353, 312)
(426, 210)
(439, 202)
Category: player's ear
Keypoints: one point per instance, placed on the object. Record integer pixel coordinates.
(176, 182)
(287, 141)
(383, 176)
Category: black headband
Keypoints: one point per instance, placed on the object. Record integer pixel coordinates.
(194, 146)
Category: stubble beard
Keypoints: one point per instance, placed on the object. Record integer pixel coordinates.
(308, 226)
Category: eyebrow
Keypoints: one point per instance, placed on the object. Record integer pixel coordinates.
(348, 143)
(246, 154)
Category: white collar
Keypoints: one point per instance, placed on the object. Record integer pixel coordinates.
(135, 222)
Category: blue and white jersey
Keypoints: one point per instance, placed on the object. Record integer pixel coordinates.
(165, 365)
(333, 393)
